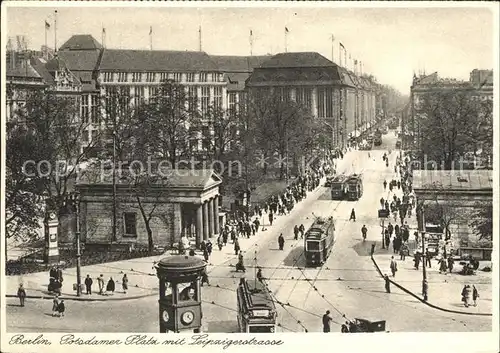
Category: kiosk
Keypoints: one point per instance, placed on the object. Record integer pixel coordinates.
(180, 293)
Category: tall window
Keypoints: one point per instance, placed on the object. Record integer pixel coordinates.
(139, 95)
(94, 109)
(206, 137)
(203, 77)
(232, 103)
(150, 77)
(190, 77)
(108, 77)
(163, 76)
(124, 98)
(129, 224)
(122, 77)
(303, 96)
(215, 77)
(321, 103)
(218, 97)
(329, 102)
(193, 98)
(177, 77)
(84, 109)
(205, 99)
(152, 92)
(136, 77)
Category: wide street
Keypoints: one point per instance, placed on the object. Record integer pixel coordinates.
(347, 284)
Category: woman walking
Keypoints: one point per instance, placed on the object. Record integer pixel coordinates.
(125, 283)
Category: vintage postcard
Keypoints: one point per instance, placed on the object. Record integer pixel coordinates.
(236, 175)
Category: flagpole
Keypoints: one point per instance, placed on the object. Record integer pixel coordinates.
(151, 38)
(199, 38)
(333, 41)
(340, 55)
(286, 35)
(46, 49)
(345, 58)
(251, 43)
(55, 32)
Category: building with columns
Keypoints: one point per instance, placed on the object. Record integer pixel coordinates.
(345, 101)
(186, 202)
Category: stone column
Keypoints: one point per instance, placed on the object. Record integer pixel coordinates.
(314, 102)
(211, 218)
(199, 225)
(205, 220)
(216, 215)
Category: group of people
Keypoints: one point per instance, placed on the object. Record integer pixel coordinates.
(110, 287)
(55, 280)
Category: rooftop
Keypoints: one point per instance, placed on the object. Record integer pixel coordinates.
(230, 63)
(81, 42)
(299, 59)
(156, 60)
(453, 179)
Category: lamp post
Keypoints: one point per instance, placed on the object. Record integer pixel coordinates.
(75, 200)
(421, 228)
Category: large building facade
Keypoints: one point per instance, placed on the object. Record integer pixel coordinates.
(346, 102)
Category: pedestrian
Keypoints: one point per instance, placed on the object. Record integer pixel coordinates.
(345, 327)
(353, 215)
(403, 251)
(236, 246)
(110, 287)
(59, 275)
(271, 218)
(364, 230)
(302, 229)
(390, 228)
(205, 254)
(475, 295)
(450, 263)
(387, 240)
(260, 277)
(296, 232)
(220, 242)
(466, 295)
(204, 277)
(88, 284)
(427, 258)
(240, 265)
(100, 283)
(281, 241)
(125, 283)
(61, 308)
(209, 247)
(55, 305)
(393, 266)
(372, 249)
(385, 184)
(442, 265)
(21, 294)
(417, 260)
(416, 237)
(327, 319)
(387, 284)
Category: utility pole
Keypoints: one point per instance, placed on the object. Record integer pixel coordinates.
(114, 182)
(421, 229)
(75, 199)
(383, 233)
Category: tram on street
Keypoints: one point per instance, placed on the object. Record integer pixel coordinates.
(338, 187)
(354, 187)
(319, 241)
(256, 310)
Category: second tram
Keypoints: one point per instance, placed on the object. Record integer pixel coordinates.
(338, 187)
(256, 310)
(354, 187)
(319, 241)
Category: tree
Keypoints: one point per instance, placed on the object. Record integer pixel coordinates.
(451, 124)
(166, 120)
(482, 221)
(281, 127)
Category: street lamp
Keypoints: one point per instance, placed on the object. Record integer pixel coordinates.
(74, 198)
(421, 228)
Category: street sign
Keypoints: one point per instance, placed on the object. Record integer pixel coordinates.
(383, 213)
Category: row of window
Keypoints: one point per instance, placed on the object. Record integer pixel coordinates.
(161, 76)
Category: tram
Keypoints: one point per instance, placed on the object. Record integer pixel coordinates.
(354, 187)
(319, 241)
(256, 310)
(338, 187)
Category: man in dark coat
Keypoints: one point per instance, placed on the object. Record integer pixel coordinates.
(327, 319)
(281, 241)
(353, 215)
(88, 284)
(271, 218)
(110, 287)
(296, 232)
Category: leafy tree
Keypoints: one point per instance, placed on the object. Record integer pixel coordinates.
(451, 124)
(482, 221)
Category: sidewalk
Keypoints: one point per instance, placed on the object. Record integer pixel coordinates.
(140, 272)
(444, 290)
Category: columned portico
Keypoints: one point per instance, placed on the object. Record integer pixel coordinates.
(211, 220)
(205, 220)
(216, 215)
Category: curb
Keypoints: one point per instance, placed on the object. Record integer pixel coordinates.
(49, 297)
(423, 301)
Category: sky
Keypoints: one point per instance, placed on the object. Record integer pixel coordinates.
(392, 43)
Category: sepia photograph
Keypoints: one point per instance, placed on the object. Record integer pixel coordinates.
(244, 168)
